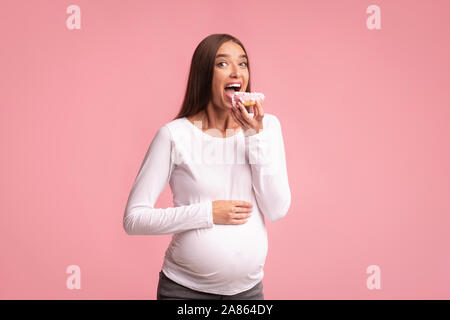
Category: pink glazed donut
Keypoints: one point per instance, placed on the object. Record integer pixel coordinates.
(247, 98)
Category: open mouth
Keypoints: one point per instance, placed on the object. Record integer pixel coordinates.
(231, 89)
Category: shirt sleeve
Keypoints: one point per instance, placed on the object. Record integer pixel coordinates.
(141, 217)
(267, 160)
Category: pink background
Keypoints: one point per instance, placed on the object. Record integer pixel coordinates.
(365, 116)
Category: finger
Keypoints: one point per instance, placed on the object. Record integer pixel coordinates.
(236, 116)
(255, 110)
(233, 114)
(241, 221)
(242, 203)
(260, 109)
(240, 114)
(244, 111)
(241, 210)
(240, 216)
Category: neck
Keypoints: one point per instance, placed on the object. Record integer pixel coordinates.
(217, 118)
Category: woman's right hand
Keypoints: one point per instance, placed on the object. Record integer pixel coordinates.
(231, 211)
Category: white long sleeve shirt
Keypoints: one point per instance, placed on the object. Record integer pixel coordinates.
(201, 168)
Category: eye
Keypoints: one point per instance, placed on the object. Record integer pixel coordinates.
(220, 63)
(246, 64)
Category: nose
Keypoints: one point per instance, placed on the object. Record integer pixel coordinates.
(235, 71)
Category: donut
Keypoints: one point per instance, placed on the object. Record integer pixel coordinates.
(247, 98)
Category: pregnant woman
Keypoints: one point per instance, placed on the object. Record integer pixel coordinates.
(227, 171)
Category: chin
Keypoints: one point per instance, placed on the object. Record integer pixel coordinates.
(228, 105)
(225, 103)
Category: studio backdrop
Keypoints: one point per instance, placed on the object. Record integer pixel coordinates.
(361, 89)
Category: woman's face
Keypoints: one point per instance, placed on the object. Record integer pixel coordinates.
(230, 68)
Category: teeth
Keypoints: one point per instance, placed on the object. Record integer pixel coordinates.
(237, 85)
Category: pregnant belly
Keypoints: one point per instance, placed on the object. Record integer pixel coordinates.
(222, 252)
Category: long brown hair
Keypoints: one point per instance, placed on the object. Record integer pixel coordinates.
(199, 86)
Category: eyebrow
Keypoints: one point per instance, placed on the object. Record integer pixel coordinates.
(220, 55)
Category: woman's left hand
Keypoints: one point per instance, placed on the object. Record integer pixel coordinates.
(245, 120)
